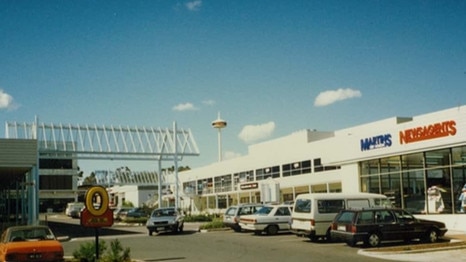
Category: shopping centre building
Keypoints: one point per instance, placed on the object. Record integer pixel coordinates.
(418, 162)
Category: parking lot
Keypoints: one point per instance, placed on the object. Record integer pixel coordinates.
(193, 245)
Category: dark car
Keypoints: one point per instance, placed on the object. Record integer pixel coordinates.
(119, 211)
(136, 212)
(165, 219)
(372, 226)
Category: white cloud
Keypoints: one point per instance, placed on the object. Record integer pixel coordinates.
(329, 97)
(253, 133)
(194, 5)
(230, 155)
(184, 107)
(209, 102)
(7, 101)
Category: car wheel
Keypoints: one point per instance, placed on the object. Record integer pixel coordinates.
(272, 230)
(313, 238)
(257, 232)
(328, 236)
(431, 236)
(351, 243)
(373, 240)
(150, 232)
(237, 228)
(175, 228)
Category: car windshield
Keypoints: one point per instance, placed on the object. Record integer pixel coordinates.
(163, 212)
(264, 211)
(30, 234)
(231, 211)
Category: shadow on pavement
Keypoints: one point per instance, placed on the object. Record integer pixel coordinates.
(74, 231)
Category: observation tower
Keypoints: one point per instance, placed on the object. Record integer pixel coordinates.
(219, 124)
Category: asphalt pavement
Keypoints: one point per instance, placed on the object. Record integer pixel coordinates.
(445, 253)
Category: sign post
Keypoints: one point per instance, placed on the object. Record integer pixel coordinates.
(96, 213)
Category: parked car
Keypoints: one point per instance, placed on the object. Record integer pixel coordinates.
(73, 208)
(165, 219)
(375, 225)
(312, 212)
(117, 212)
(233, 214)
(30, 243)
(135, 212)
(269, 219)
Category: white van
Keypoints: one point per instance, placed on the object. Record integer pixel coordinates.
(313, 213)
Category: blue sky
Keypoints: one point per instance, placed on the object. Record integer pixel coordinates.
(269, 67)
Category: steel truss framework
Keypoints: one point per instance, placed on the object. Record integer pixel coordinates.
(106, 142)
(102, 142)
(109, 177)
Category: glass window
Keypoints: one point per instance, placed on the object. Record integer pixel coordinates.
(52, 182)
(244, 176)
(424, 182)
(370, 167)
(346, 217)
(384, 217)
(318, 165)
(268, 172)
(459, 178)
(366, 217)
(297, 168)
(282, 211)
(223, 183)
(265, 210)
(303, 206)
(330, 206)
(55, 163)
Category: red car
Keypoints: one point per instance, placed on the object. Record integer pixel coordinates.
(30, 243)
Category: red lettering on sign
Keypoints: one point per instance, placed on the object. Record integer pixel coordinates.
(433, 131)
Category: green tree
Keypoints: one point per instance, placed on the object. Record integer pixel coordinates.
(90, 180)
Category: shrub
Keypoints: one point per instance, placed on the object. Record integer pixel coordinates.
(135, 220)
(86, 251)
(216, 223)
(198, 218)
(117, 253)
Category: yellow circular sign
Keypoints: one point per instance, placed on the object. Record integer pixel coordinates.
(94, 193)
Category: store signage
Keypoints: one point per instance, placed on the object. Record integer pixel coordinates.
(376, 142)
(432, 131)
(96, 217)
(249, 186)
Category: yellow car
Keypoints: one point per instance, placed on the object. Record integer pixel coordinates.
(30, 243)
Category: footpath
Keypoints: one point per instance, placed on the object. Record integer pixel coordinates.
(453, 248)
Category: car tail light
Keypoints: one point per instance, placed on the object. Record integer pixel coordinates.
(354, 229)
(313, 222)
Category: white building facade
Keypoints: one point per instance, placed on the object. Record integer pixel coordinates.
(419, 162)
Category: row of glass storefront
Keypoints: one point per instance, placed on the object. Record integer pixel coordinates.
(427, 182)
